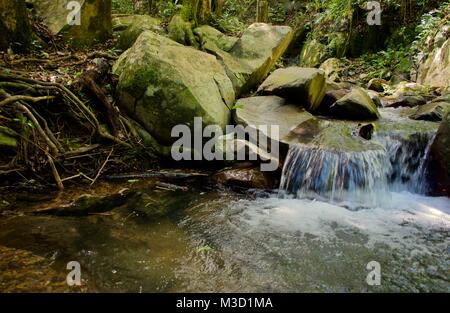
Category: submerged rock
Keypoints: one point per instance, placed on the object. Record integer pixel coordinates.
(356, 105)
(303, 86)
(248, 177)
(163, 84)
(90, 204)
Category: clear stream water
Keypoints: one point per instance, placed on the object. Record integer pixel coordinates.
(219, 240)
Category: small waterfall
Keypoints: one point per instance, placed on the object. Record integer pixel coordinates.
(408, 157)
(335, 176)
(359, 177)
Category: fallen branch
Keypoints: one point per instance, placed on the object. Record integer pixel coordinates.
(55, 173)
(101, 168)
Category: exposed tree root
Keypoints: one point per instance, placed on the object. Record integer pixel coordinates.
(57, 129)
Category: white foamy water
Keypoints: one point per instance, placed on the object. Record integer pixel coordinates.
(404, 220)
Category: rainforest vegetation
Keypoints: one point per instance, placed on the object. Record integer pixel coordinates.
(92, 90)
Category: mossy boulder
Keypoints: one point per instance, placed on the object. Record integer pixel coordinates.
(211, 39)
(432, 111)
(181, 31)
(254, 55)
(163, 84)
(396, 101)
(298, 126)
(270, 110)
(95, 19)
(356, 105)
(303, 86)
(377, 84)
(129, 28)
(439, 161)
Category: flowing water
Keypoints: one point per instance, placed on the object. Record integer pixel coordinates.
(317, 236)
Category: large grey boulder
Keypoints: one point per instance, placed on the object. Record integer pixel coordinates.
(254, 55)
(303, 86)
(163, 84)
(128, 28)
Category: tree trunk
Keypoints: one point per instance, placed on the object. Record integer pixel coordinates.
(15, 27)
(262, 11)
(217, 6)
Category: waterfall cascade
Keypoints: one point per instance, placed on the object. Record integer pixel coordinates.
(363, 177)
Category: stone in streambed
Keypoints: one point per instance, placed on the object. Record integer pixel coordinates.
(356, 105)
(298, 126)
(403, 101)
(303, 86)
(247, 177)
(433, 111)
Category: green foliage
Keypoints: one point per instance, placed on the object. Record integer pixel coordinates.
(123, 6)
(234, 15)
(385, 63)
(430, 23)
